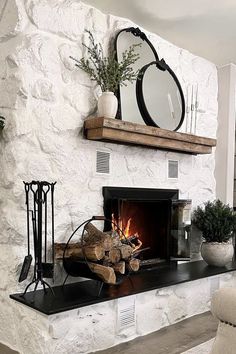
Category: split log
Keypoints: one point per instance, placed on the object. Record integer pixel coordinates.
(125, 251)
(59, 249)
(119, 267)
(106, 274)
(114, 255)
(92, 253)
(106, 261)
(75, 250)
(116, 239)
(133, 265)
(91, 270)
(95, 236)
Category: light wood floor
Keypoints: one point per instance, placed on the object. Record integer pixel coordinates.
(6, 350)
(174, 339)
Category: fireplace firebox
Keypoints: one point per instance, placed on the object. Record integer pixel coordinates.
(156, 219)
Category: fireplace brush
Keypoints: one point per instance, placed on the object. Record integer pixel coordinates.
(37, 194)
(28, 259)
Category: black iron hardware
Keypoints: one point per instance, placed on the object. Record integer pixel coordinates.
(37, 204)
(161, 65)
(28, 259)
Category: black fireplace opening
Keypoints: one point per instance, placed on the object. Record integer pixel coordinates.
(156, 218)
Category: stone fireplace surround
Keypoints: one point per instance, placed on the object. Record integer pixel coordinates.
(45, 101)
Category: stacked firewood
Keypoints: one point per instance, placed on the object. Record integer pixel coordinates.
(105, 253)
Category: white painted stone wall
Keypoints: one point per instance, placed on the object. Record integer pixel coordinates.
(94, 327)
(45, 101)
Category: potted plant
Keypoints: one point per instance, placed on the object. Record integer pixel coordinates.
(108, 73)
(217, 222)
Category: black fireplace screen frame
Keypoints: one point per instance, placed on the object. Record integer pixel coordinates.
(140, 194)
(111, 193)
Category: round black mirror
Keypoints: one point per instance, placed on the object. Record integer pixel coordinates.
(128, 107)
(157, 97)
(163, 107)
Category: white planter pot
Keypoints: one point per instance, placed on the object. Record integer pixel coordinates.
(107, 105)
(216, 253)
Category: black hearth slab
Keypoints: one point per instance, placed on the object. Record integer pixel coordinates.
(84, 293)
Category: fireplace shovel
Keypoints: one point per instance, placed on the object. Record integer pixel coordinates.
(28, 259)
(48, 268)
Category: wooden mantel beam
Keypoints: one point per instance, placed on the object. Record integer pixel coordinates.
(122, 132)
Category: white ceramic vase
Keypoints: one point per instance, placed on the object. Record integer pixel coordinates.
(107, 105)
(216, 253)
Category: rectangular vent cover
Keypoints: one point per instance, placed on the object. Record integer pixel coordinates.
(126, 315)
(103, 162)
(173, 169)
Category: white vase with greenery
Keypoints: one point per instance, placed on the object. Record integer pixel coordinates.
(217, 222)
(108, 73)
(107, 105)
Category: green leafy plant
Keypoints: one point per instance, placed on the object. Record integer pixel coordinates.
(2, 122)
(216, 221)
(107, 71)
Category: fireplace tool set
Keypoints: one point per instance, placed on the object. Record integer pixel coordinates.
(40, 218)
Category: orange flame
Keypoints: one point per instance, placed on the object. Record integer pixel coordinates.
(126, 233)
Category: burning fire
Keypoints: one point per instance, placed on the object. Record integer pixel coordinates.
(126, 232)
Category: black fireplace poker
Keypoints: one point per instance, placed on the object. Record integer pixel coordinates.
(37, 195)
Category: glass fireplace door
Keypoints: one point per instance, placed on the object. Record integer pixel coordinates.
(180, 230)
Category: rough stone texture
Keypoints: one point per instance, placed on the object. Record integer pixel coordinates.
(45, 100)
(13, 18)
(94, 327)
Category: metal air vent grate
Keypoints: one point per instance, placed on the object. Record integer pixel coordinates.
(103, 162)
(126, 315)
(173, 169)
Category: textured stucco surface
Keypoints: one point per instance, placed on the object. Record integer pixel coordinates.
(45, 101)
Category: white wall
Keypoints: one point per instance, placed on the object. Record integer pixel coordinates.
(225, 149)
(45, 101)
